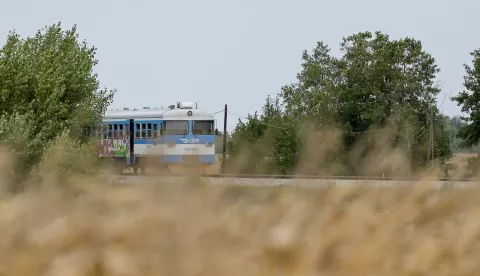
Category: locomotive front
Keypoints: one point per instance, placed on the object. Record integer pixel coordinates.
(188, 137)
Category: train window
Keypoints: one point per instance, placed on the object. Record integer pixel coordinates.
(115, 131)
(98, 131)
(155, 131)
(149, 130)
(120, 130)
(126, 130)
(175, 127)
(203, 128)
(105, 131)
(144, 131)
(138, 134)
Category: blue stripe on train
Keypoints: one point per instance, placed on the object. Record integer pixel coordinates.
(177, 159)
(176, 140)
(204, 159)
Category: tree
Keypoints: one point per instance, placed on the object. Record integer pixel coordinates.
(453, 125)
(469, 101)
(265, 143)
(47, 87)
(376, 83)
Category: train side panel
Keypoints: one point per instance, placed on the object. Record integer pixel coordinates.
(114, 140)
(169, 137)
(147, 142)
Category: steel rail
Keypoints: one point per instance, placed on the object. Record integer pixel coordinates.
(300, 177)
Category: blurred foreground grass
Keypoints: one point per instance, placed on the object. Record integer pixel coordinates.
(85, 227)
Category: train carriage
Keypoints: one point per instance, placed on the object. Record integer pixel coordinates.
(189, 137)
(164, 138)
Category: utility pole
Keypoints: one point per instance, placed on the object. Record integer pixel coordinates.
(432, 131)
(224, 139)
(433, 137)
(409, 146)
(451, 124)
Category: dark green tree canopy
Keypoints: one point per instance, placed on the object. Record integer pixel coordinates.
(377, 82)
(376, 78)
(469, 100)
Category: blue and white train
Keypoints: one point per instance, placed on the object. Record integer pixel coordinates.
(165, 138)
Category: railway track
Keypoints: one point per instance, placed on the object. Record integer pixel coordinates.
(296, 180)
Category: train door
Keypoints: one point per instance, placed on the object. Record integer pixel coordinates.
(131, 139)
(144, 142)
(156, 132)
(138, 140)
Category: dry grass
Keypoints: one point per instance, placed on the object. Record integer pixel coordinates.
(460, 159)
(83, 226)
(89, 228)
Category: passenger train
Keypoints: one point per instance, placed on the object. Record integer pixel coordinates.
(165, 138)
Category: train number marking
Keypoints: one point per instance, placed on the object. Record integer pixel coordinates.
(191, 149)
(190, 141)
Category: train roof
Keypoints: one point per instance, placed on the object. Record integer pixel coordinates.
(182, 114)
(157, 113)
(134, 113)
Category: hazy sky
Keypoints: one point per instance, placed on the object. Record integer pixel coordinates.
(237, 52)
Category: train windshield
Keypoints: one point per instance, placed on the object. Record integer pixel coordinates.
(175, 127)
(203, 127)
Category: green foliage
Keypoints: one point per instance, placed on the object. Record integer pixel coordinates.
(473, 167)
(285, 154)
(219, 142)
(65, 156)
(470, 103)
(264, 148)
(443, 151)
(376, 83)
(47, 87)
(453, 126)
(247, 141)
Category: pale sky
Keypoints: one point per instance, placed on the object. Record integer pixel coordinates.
(215, 52)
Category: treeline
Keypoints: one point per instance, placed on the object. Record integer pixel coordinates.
(380, 94)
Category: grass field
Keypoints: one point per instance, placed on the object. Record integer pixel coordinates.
(460, 159)
(84, 225)
(88, 228)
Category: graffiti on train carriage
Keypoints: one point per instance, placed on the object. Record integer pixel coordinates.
(113, 148)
